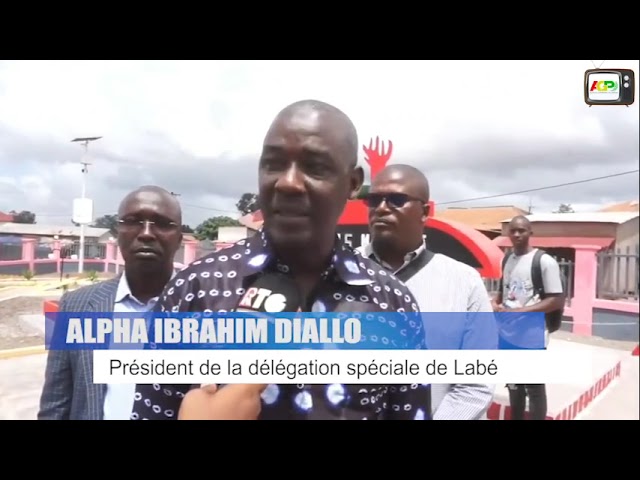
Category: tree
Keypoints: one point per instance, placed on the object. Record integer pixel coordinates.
(565, 208)
(248, 203)
(107, 221)
(187, 229)
(24, 216)
(208, 230)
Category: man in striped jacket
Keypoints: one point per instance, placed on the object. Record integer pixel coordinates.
(398, 208)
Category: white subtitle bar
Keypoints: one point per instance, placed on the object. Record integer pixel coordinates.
(340, 366)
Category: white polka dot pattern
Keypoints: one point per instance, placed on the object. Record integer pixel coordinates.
(216, 283)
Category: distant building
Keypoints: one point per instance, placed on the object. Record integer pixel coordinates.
(6, 218)
(252, 221)
(614, 233)
(249, 225)
(50, 232)
(628, 206)
(563, 230)
(484, 219)
(487, 220)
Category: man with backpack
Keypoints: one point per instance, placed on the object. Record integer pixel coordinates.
(531, 282)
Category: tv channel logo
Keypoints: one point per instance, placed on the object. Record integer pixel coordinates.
(609, 86)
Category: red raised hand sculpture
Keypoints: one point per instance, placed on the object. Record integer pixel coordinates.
(377, 157)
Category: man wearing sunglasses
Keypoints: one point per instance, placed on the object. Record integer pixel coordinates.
(149, 234)
(398, 209)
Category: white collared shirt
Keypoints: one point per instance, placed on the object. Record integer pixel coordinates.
(447, 285)
(118, 401)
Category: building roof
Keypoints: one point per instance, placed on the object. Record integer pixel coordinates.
(480, 218)
(559, 242)
(628, 206)
(49, 230)
(582, 217)
(5, 217)
(253, 220)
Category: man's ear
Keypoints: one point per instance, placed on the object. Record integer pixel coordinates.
(357, 179)
(425, 214)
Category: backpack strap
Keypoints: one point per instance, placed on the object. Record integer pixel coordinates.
(505, 259)
(536, 273)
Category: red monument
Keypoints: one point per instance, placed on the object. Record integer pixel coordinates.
(450, 238)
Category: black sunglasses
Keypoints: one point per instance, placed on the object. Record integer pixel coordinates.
(394, 200)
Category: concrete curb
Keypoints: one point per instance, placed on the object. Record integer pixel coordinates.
(21, 352)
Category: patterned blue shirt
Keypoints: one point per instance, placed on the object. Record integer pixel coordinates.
(216, 283)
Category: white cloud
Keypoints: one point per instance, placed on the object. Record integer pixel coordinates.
(482, 127)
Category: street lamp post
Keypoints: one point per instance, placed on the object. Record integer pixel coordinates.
(83, 207)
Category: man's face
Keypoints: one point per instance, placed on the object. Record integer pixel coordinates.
(149, 232)
(396, 212)
(519, 233)
(305, 178)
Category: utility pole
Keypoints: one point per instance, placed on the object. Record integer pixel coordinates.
(83, 206)
(530, 206)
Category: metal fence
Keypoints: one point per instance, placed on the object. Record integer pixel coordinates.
(44, 250)
(619, 273)
(566, 267)
(92, 250)
(10, 251)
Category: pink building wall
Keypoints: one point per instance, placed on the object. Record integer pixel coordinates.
(113, 261)
(581, 309)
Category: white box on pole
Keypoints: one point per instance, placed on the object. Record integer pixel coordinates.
(83, 211)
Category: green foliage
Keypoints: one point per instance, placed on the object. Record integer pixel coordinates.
(248, 203)
(92, 275)
(208, 230)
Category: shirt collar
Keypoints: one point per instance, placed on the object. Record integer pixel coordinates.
(123, 291)
(368, 252)
(345, 263)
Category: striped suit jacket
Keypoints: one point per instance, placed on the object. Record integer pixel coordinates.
(69, 392)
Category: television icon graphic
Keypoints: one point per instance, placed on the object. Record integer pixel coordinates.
(609, 86)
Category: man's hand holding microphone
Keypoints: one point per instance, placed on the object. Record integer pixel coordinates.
(229, 402)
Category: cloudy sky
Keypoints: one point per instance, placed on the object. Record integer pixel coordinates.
(477, 128)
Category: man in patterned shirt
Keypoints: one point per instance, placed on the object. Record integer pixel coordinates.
(307, 172)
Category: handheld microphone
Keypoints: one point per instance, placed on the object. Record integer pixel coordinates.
(271, 293)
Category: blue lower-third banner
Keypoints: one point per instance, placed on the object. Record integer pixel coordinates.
(299, 330)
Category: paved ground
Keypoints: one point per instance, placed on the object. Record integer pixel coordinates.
(21, 382)
(17, 330)
(595, 341)
(21, 378)
(620, 401)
